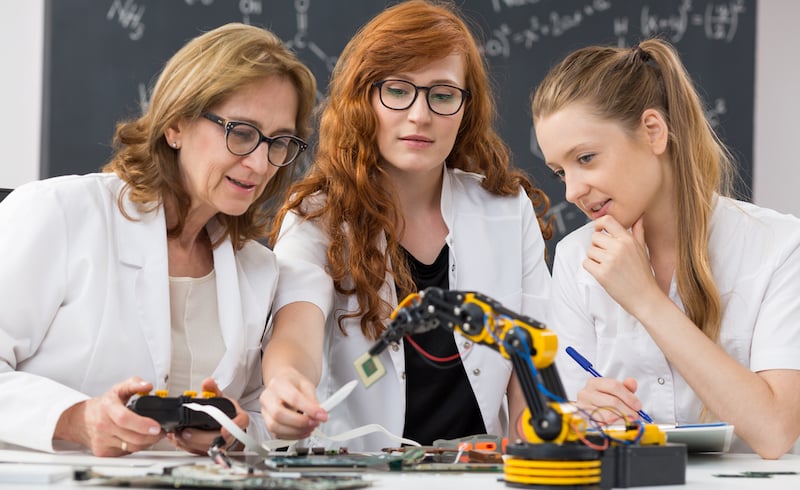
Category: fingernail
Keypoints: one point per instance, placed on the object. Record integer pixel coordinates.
(143, 383)
(186, 434)
(312, 423)
(154, 430)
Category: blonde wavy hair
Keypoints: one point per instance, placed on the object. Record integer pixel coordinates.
(202, 74)
(619, 84)
(361, 205)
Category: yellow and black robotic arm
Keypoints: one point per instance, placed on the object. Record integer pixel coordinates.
(529, 345)
(555, 450)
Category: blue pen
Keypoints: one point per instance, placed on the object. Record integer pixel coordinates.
(587, 366)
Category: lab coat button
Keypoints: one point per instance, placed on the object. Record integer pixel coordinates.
(476, 372)
(395, 346)
(467, 345)
(453, 267)
(661, 381)
(403, 375)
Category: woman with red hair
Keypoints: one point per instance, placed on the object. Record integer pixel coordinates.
(411, 188)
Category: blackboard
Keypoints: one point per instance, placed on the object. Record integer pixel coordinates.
(102, 55)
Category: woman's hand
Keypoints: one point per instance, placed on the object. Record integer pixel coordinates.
(608, 400)
(106, 425)
(198, 441)
(289, 405)
(618, 260)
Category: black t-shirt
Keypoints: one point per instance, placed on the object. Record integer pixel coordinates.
(440, 403)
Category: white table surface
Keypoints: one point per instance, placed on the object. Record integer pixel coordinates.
(699, 473)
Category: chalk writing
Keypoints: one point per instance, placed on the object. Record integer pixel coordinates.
(719, 21)
(129, 15)
(497, 5)
(300, 41)
(554, 24)
(248, 8)
(144, 97)
(673, 26)
(712, 114)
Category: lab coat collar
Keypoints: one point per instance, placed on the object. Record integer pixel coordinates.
(142, 246)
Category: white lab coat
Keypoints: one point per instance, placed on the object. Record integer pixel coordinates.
(496, 248)
(755, 260)
(84, 304)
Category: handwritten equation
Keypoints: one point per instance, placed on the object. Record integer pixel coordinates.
(719, 21)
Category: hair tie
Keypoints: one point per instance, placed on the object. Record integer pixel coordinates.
(641, 53)
(644, 56)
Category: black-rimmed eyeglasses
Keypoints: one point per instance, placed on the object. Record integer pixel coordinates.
(243, 138)
(442, 99)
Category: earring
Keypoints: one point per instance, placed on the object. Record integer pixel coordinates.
(175, 144)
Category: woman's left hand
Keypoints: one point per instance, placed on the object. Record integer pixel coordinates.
(199, 441)
(618, 259)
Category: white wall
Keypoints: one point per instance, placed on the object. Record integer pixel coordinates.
(776, 172)
(21, 45)
(777, 127)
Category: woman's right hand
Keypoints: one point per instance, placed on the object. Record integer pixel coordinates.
(106, 425)
(289, 405)
(607, 400)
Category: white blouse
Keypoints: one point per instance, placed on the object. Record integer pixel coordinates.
(197, 344)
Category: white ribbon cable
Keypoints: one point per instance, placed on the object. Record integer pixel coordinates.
(226, 422)
(362, 431)
(265, 448)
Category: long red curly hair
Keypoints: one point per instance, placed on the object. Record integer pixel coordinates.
(360, 203)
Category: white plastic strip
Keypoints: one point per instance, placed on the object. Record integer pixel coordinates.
(339, 396)
(362, 431)
(226, 422)
(265, 448)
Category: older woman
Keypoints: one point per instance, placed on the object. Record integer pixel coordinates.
(147, 276)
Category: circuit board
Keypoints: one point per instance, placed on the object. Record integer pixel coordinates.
(348, 462)
(210, 476)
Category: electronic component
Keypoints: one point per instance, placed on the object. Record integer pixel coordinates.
(369, 368)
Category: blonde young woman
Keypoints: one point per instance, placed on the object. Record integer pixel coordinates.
(411, 188)
(685, 299)
(148, 276)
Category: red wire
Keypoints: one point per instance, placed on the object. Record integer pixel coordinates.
(431, 356)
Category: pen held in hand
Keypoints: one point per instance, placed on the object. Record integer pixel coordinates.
(587, 366)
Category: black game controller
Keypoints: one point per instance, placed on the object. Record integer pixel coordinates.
(173, 416)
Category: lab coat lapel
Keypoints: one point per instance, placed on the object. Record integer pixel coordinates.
(142, 246)
(231, 321)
